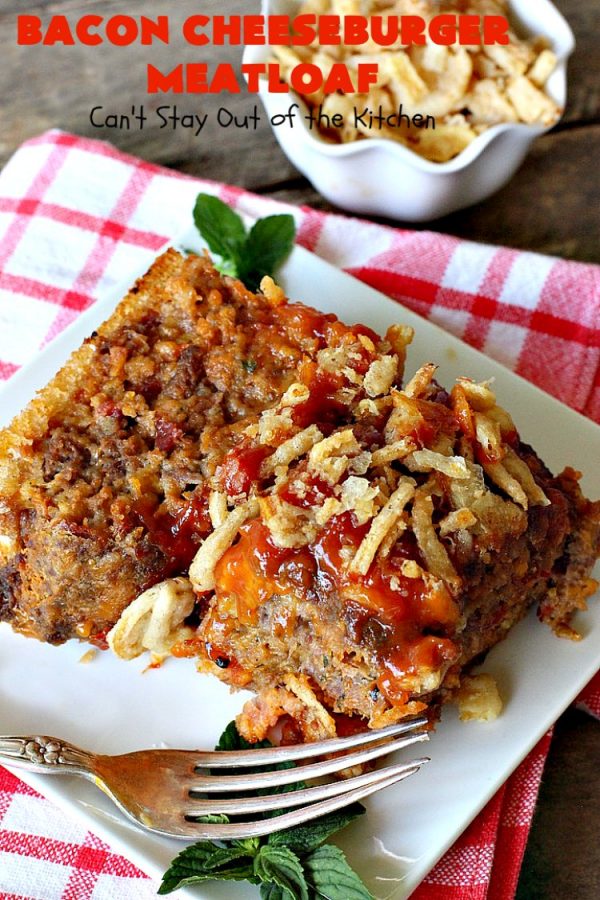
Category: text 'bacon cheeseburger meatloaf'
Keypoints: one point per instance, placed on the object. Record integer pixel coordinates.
(240, 479)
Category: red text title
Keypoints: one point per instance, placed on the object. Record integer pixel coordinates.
(300, 31)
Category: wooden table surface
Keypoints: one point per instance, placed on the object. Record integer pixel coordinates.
(551, 206)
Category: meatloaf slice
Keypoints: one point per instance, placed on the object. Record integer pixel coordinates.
(103, 477)
(384, 553)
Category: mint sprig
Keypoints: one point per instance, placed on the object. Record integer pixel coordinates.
(293, 864)
(248, 256)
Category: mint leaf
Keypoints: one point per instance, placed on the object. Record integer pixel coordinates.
(329, 875)
(271, 891)
(306, 838)
(231, 739)
(221, 857)
(280, 866)
(222, 229)
(218, 819)
(206, 861)
(270, 240)
(268, 244)
(250, 845)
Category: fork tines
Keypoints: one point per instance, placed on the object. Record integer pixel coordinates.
(224, 759)
(313, 801)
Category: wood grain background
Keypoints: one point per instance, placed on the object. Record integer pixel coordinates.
(552, 205)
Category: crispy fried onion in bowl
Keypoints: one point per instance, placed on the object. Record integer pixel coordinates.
(465, 89)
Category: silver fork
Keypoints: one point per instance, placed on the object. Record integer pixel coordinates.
(166, 791)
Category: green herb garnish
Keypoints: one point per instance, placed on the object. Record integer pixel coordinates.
(248, 256)
(294, 864)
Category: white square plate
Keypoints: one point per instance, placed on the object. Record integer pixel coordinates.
(114, 706)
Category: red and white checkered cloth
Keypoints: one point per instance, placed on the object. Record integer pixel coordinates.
(76, 217)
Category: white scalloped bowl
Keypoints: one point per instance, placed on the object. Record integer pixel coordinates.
(378, 176)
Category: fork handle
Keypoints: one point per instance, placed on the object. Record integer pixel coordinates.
(46, 755)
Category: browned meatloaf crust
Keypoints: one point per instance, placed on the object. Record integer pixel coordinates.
(103, 476)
